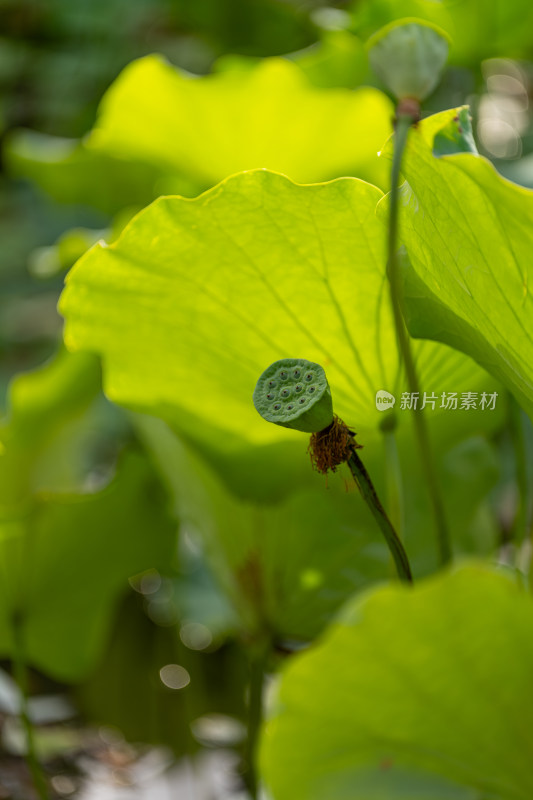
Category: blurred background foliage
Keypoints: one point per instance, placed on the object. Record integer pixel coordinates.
(131, 597)
(58, 58)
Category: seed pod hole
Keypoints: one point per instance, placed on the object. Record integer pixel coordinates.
(281, 395)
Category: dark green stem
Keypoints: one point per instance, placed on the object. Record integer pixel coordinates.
(20, 670)
(393, 475)
(520, 531)
(403, 126)
(255, 718)
(366, 487)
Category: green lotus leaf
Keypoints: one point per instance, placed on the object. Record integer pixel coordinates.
(66, 551)
(190, 305)
(269, 116)
(197, 297)
(66, 562)
(422, 692)
(469, 236)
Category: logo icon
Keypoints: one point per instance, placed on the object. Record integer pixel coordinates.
(384, 400)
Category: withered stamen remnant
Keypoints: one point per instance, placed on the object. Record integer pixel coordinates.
(332, 446)
(336, 445)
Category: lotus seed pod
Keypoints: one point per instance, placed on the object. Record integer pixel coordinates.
(408, 56)
(295, 393)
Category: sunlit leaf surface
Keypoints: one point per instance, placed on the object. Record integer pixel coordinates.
(197, 297)
(186, 310)
(270, 116)
(415, 693)
(469, 235)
